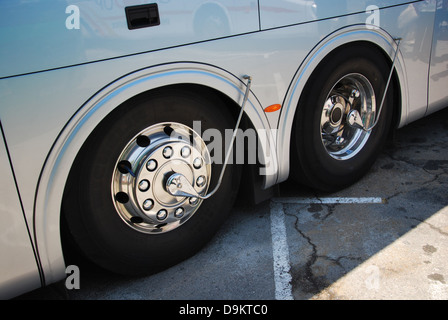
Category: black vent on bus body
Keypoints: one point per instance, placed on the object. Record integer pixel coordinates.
(143, 16)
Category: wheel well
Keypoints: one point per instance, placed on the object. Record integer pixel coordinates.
(378, 57)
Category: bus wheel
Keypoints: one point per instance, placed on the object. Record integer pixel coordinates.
(328, 152)
(117, 208)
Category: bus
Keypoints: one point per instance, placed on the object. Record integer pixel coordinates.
(129, 127)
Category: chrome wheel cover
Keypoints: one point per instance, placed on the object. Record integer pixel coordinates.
(139, 179)
(352, 92)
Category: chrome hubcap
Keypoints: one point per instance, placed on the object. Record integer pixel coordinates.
(139, 183)
(340, 139)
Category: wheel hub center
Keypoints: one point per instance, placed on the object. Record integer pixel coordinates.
(162, 195)
(178, 185)
(336, 114)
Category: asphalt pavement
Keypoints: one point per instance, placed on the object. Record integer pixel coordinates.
(386, 237)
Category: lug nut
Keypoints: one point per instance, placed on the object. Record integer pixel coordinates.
(185, 152)
(167, 152)
(355, 93)
(193, 200)
(143, 185)
(148, 204)
(179, 212)
(151, 165)
(200, 181)
(197, 163)
(162, 214)
(339, 140)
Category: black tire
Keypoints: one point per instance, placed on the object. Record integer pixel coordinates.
(311, 162)
(90, 216)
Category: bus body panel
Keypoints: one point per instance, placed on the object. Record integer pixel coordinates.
(18, 264)
(438, 77)
(278, 13)
(63, 33)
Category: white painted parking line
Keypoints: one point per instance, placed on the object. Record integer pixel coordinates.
(280, 251)
(335, 200)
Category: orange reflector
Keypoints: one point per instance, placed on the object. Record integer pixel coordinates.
(273, 108)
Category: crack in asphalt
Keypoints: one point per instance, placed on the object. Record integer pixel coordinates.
(304, 278)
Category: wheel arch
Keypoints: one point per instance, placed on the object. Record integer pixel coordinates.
(61, 158)
(342, 39)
